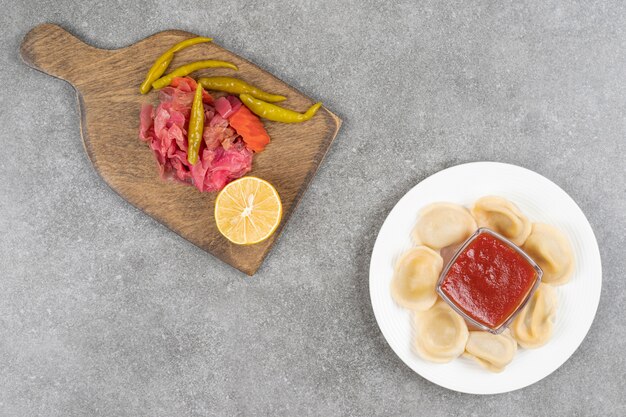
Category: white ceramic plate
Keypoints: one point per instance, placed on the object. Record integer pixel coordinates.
(542, 201)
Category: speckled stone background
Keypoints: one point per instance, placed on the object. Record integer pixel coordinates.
(103, 312)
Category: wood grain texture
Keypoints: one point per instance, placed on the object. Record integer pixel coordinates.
(107, 86)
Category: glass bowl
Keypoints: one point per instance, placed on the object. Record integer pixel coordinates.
(479, 302)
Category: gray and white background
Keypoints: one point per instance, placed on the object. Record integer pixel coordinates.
(104, 312)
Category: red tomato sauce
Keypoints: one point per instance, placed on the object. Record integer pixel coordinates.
(489, 280)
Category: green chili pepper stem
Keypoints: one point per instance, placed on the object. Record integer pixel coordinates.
(188, 69)
(237, 86)
(276, 113)
(160, 65)
(196, 127)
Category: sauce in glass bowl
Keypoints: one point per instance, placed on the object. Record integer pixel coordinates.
(489, 280)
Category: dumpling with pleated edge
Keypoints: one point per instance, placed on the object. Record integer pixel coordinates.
(440, 333)
(491, 351)
(549, 247)
(534, 325)
(503, 217)
(415, 278)
(443, 224)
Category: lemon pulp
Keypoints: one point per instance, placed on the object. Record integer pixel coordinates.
(248, 210)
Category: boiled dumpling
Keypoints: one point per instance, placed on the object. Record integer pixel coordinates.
(552, 251)
(443, 224)
(440, 333)
(492, 351)
(502, 216)
(415, 278)
(534, 325)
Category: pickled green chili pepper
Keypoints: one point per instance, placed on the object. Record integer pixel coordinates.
(161, 64)
(196, 127)
(165, 80)
(237, 86)
(276, 113)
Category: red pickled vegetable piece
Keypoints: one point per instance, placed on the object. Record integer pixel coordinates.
(235, 103)
(227, 106)
(223, 107)
(251, 129)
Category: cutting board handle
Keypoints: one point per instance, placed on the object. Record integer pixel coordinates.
(55, 51)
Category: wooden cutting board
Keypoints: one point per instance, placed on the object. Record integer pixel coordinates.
(107, 88)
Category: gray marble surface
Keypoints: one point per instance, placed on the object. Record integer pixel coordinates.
(103, 312)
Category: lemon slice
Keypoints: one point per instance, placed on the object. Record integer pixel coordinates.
(248, 210)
